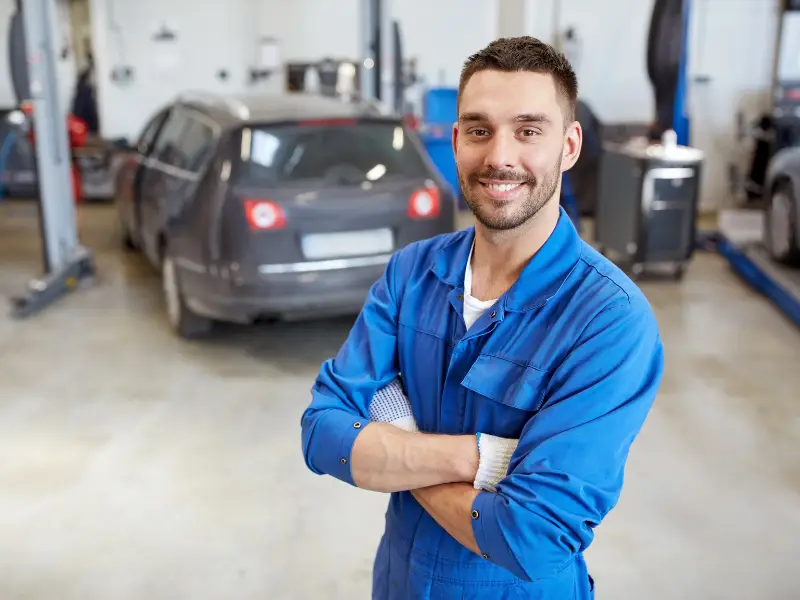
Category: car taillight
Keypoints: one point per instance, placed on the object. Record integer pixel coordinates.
(424, 203)
(264, 214)
(411, 121)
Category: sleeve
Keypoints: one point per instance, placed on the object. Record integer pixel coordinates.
(345, 385)
(567, 471)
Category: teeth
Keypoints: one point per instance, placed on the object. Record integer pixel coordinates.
(503, 187)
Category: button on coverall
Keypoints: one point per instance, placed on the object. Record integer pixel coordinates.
(568, 361)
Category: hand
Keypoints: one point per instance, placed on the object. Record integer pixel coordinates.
(495, 455)
(391, 405)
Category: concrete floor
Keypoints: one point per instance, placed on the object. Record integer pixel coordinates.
(134, 465)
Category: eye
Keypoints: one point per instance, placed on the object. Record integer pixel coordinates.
(529, 132)
(478, 132)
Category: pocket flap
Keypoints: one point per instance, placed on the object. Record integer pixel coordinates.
(507, 382)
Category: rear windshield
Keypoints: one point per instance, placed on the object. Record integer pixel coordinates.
(331, 153)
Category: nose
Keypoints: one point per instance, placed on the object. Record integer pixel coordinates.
(502, 152)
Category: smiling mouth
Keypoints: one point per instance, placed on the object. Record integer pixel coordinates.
(501, 190)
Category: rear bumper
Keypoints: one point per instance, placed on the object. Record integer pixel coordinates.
(295, 290)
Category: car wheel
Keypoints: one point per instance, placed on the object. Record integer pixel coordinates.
(127, 241)
(780, 225)
(181, 318)
(125, 235)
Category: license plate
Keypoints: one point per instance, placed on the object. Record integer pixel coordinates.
(347, 243)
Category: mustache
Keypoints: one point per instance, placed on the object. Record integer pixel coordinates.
(501, 176)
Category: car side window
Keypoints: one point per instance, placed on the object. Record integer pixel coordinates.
(197, 144)
(167, 147)
(148, 135)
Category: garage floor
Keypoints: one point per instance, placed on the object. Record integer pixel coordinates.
(135, 466)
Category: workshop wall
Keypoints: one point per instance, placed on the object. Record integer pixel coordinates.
(443, 33)
(167, 49)
(307, 29)
(149, 51)
(612, 69)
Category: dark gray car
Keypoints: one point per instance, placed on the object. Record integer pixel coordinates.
(782, 217)
(271, 207)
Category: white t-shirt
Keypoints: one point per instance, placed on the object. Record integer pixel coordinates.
(473, 308)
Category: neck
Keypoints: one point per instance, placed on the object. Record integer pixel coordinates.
(500, 256)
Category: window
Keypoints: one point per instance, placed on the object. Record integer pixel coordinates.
(332, 154)
(167, 148)
(196, 144)
(149, 132)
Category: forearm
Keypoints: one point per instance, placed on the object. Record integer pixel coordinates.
(388, 459)
(450, 505)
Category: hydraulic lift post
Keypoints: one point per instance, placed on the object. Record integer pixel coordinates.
(379, 76)
(67, 263)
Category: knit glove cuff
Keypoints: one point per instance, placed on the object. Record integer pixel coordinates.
(391, 405)
(495, 455)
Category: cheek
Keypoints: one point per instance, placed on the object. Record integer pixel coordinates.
(541, 160)
(468, 158)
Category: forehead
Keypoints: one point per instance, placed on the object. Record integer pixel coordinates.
(502, 95)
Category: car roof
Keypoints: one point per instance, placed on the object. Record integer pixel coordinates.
(266, 108)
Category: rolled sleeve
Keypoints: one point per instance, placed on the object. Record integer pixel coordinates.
(567, 471)
(346, 384)
(489, 535)
(336, 433)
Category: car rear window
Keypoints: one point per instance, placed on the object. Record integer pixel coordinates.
(334, 153)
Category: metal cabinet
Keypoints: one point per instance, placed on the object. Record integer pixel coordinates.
(647, 205)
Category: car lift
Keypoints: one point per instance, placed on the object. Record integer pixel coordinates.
(740, 232)
(381, 73)
(33, 67)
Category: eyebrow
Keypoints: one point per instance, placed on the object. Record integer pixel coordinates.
(477, 117)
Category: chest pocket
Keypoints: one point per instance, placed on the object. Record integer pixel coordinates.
(505, 394)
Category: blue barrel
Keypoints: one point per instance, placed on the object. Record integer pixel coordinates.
(440, 105)
(439, 113)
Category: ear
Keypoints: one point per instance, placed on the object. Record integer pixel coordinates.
(455, 139)
(573, 142)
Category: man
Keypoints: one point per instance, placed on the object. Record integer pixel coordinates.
(528, 364)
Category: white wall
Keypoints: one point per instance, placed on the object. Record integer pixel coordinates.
(441, 33)
(611, 68)
(209, 38)
(309, 30)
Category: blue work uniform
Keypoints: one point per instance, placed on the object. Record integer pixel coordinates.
(568, 361)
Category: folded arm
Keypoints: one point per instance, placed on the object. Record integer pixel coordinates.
(388, 459)
(342, 437)
(567, 471)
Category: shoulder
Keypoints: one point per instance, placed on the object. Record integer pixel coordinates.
(614, 298)
(601, 276)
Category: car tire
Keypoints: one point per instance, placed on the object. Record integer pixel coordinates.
(127, 242)
(126, 237)
(182, 320)
(780, 225)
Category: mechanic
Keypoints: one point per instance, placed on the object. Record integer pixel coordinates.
(496, 377)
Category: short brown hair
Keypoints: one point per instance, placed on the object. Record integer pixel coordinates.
(526, 53)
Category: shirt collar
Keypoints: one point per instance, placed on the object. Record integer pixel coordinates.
(541, 278)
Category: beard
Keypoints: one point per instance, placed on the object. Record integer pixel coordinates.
(507, 215)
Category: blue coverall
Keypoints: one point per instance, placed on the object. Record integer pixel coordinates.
(568, 361)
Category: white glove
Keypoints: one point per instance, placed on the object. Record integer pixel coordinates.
(495, 454)
(390, 405)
